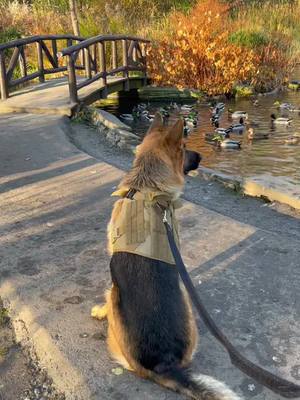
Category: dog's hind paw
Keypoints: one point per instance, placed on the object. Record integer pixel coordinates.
(99, 311)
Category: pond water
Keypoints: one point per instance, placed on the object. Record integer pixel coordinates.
(269, 157)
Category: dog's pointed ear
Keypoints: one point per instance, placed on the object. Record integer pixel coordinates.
(157, 123)
(174, 134)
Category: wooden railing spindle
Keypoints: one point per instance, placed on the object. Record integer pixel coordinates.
(3, 81)
(94, 56)
(125, 64)
(134, 52)
(88, 72)
(72, 80)
(22, 62)
(40, 61)
(54, 52)
(114, 54)
(102, 63)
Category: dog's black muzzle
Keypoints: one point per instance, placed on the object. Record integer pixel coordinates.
(191, 161)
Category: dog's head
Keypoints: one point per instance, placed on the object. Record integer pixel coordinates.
(161, 159)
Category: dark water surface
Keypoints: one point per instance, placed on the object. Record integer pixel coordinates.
(269, 157)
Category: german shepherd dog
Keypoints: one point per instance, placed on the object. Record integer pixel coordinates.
(151, 326)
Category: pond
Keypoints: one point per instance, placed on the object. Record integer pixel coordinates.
(270, 157)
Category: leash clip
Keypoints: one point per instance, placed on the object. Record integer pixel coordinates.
(165, 219)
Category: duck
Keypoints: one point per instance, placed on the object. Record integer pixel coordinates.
(210, 137)
(292, 140)
(220, 106)
(256, 135)
(187, 107)
(142, 106)
(280, 120)
(146, 116)
(228, 143)
(238, 128)
(252, 124)
(225, 132)
(174, 106)
(283, 106)
(186, 129)
(164, 112)
(127, 117)
(286, 106)
(217, 109)
(191, 122)
(238, 114)
(255, 102)
(214, 119)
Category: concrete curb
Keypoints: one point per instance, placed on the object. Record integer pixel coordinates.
(266, 187)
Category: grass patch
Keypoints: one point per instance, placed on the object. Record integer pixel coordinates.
(248, 39)
(4, 318)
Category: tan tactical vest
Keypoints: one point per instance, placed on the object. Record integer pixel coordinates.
(136, 225)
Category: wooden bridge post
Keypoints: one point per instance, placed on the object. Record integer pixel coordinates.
(88, 72)
(125, 64)
(114, 54)
(144, 55)
(22, 62)
(3, 81)
(102, 67)
(72, 80)
(40, 62)
(54, 51)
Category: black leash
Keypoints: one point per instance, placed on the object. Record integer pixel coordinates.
(278, 385)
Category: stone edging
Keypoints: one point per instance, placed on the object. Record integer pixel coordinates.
(115, 131)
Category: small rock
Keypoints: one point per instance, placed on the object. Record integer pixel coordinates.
(84, 335)
(117, 371)
(251, 387)
(49, 224)
(73, 300)
(99, 336)
(193, 173)
(276, 359)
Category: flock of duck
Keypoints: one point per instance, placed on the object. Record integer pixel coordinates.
(220, 137)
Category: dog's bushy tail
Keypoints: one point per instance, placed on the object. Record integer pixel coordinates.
(201, 387)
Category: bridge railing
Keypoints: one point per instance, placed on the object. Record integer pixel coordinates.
(15, 68)
(105, 56)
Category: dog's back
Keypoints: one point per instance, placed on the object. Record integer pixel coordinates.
(153, 311)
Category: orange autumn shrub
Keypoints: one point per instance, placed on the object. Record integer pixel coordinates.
(198, 54)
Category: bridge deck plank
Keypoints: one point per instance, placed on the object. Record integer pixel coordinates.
(52, 97)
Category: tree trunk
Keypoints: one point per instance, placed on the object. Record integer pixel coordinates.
(74, 17)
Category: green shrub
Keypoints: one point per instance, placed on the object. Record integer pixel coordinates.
(248, 39)
(9, 34)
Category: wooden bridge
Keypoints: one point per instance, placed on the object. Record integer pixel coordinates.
(71, 71)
